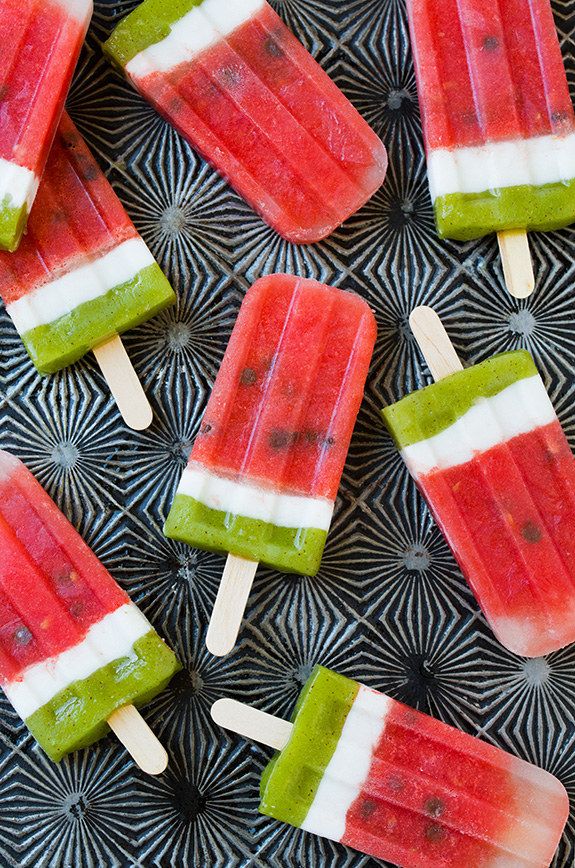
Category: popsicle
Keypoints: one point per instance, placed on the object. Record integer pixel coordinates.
(487, 450)
(40, 41)
(76, 655)
(358, 767)
(82, 274)
(265, 467)
(498, 122)
(237, 84)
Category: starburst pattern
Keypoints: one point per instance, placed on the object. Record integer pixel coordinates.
(69, 809)
(389, 606)
(67, 434)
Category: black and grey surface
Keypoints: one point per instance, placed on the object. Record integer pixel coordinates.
(389, 606)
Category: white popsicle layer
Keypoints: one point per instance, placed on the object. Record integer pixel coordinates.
(348, 768)
(78, 9)
(542, 160)
(521, 407)
(109, 639)
(345, 776)
(18, 185)
(84, 283)
(252, 501)
(198, 29)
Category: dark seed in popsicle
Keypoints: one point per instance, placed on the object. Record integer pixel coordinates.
(367, 809)
(434, 806)
(272, 48)
(491, 43)
(531, 532)
(435, 834)
(248, 377)
(22, 635)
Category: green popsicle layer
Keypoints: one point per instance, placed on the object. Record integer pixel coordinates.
(65, 340)
(434, 408)
(76, 716)
(12, 224)
(291, 780)
(147, 24)
(289, 549)
(470, 215)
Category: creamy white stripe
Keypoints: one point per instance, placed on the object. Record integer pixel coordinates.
(253, 501)
(528, 836)
(85, 283)
(17, 185)
(349, 766)
(107, 640)
(541, 160)
(199, 28)
(81, 10)
(521, 407)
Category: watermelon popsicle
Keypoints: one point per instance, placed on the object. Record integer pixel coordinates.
(76, 655)
(265, 467)
(487, 451)
(82, 274)
(40, 41)
(498, 122)
(360, 768)
(237, 84)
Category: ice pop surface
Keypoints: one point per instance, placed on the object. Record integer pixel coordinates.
(265, 467)
(488, 452)
(497, 117)
(82, 273)
(40, 41)
(237, 84)
(367, 771)
(73, 648)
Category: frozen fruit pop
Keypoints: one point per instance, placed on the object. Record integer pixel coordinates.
(82, 274)
(237, 84)
(497, 117)
(265, 468)
(487, 451)
(74, 650)
(40, 41)
(361, 768)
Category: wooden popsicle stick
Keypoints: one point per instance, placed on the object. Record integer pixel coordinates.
(139, 740)
(434, 342)
(517, 264)
(124, 384)
(230, 605)
(252, 723)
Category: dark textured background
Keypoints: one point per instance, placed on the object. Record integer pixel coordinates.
(389, 606)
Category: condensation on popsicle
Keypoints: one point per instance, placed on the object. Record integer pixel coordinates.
(497, 116)
(82, 274)
(265, 467)
(487, 450)
(40, 41)
(365, 770)
(247, 95)
(73, 647)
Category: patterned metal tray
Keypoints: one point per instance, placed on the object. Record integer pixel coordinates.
(389, 606)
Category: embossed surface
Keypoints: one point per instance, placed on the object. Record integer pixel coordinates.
(389, 606)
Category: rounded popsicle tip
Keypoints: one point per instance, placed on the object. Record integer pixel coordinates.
(251, 722)
(155, 763)
(138, 418)
(139, 740)
(224, 711)
(424, 315)
(434, 342)
(230, 605)
(124, 384)
(220, 642)
(517, 264)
